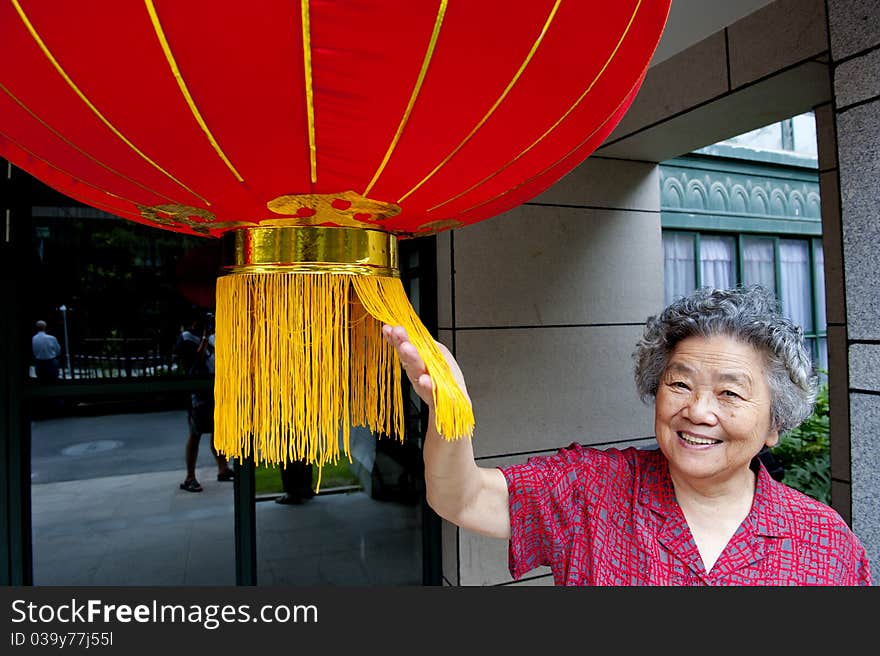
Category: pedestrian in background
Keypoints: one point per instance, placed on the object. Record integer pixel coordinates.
(194, 352)
(46, 351)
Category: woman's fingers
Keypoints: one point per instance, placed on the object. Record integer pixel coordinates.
(414, 365)
(411, 361)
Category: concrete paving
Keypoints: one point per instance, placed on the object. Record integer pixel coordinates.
(139, 528)
(71, 448)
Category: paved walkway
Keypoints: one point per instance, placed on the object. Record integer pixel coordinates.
(141, 529)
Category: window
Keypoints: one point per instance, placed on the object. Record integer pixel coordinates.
(790, 266)
(100, 487)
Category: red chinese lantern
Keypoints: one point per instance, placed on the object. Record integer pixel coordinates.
(312, 136)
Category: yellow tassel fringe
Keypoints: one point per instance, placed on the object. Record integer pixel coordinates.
(385, 299)
(300, 359)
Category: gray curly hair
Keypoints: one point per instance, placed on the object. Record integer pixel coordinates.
(749, 314)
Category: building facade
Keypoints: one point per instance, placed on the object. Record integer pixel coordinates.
(543, 305)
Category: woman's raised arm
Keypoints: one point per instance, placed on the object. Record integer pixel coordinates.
(472, 497)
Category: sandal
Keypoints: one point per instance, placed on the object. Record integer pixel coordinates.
(228, 475)
(191, 485)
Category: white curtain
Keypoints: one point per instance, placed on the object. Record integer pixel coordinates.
(717, 261)
(795, 287)
(758, 262)
(680, 276)
(819, 268)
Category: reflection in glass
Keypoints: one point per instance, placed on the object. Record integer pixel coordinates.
(362, 529)
(107, 502)
(115, 294)
(107, 508)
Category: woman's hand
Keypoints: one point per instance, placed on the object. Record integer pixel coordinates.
(457, 489)
(414, 366)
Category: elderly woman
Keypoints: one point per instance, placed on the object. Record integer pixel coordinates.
(727, 374)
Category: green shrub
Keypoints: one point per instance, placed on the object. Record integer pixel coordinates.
(268, 477)
(804, 452)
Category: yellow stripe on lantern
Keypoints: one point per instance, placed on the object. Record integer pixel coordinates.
(310, 94)
(77, 148)
(39, 41)
(175, 70)
(78, 180)
(494, 106)
(438, 22)
(558, 121)
(547, 168)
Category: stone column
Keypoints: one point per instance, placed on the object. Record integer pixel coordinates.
(854, 34)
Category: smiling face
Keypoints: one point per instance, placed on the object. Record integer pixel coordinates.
(712, 412)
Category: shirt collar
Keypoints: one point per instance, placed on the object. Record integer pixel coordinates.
(655, 486)
(767, 516)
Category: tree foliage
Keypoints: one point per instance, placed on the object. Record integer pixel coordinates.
(805, 454)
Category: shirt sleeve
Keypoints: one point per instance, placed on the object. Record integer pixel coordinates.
(546, 504)
(863, 568)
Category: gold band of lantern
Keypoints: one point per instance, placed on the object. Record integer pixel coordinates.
(312, 249)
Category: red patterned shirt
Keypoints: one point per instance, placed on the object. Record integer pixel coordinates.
(611, 518)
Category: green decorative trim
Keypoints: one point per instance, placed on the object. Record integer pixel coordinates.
(732, 223)
(712, 193)
(743, 167)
